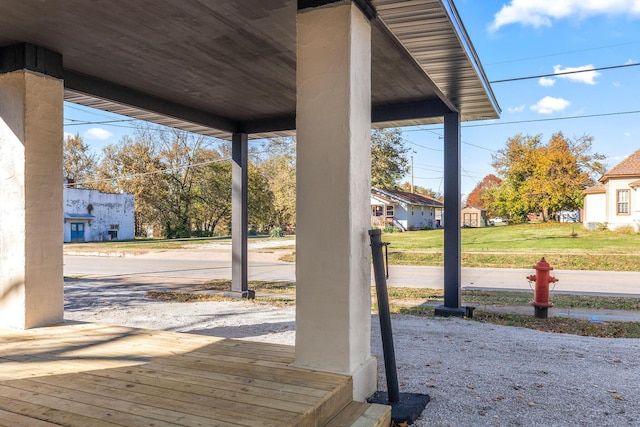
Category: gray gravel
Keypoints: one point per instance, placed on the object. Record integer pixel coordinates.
(476, 374)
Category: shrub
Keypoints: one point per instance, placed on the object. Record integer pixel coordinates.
(276, 232)
(389, 229)
(625, 229)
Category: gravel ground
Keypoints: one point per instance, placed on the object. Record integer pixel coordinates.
(476, 374)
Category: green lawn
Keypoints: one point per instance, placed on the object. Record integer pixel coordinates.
(566, 246)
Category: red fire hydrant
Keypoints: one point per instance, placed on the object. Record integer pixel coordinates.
(541, 293)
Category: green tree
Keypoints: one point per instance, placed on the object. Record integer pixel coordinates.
(277, 164)
(389, 162)
(78, 163)
(541, 177)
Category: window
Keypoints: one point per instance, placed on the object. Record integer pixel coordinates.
(390, 210)
(376, 210)
(623, 202)
(422, 210)
(114, 226)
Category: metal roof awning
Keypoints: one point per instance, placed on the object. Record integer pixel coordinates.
(78, 216)
(220, 67)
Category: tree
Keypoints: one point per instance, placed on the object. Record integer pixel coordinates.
(477, 197)
(278, 166)
(543, 178)
(405, 186)
(78, 164)
(389, 162)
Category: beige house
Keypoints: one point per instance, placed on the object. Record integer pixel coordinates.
(614, 201)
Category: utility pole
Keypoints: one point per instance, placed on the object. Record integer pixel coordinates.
(412, 190)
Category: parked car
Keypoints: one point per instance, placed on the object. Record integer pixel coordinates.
(498, 221)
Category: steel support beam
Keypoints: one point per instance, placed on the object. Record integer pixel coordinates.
(239, 217)
(452, 207)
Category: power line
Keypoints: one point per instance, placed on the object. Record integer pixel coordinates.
(560, 53)
(564, 73)
(103, 122)
(587, 116)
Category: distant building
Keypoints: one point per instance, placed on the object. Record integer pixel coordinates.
(405, 211)
(91, 216)
(472, 216)
(615, 202)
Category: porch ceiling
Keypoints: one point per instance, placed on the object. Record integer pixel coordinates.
(218, 67)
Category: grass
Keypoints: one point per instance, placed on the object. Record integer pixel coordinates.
(414, 302)
(565, 246)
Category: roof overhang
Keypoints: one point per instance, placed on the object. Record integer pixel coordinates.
(220, 67)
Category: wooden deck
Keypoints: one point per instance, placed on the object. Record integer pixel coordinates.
(96, 375)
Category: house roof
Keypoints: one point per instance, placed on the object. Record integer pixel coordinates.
(635, 184)
(596, 189)
(629, 167)
(217, 67)
(474, 207)
(405, 197)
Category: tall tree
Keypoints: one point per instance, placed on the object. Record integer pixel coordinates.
(541, 177)
(389, 161)
(277, 163)
(477, 197)
(78, 163)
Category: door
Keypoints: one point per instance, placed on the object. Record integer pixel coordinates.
(77, 231)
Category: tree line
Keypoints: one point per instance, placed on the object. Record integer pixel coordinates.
(181, 182)
(537, 177)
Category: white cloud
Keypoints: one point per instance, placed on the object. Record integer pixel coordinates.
(67, 135)
(616, 84)
(630, 61)
(97, 133)
(546, 82)
(548, 105)
(586, 77)
(542, 13)
(517, 109)
(627, 134)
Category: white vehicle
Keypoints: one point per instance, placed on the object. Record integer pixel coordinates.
(498, 221)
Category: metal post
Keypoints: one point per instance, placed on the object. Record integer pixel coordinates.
(452, 206)
(384, 315)
(239, 215)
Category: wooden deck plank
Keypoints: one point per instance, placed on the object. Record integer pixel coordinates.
(118, 411)
(100, 375)
(68, 413)
(156, 397)
(11, 419)
(220, 390)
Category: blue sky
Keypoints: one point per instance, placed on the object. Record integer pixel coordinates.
(517, 38)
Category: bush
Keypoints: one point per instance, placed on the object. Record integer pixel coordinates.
(625, 229)
(252, 232)
(389, 229)
(276, 232)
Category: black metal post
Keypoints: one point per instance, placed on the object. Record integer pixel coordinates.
(384, 315)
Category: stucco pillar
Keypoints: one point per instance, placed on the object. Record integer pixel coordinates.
(333, 269)
(31, 222)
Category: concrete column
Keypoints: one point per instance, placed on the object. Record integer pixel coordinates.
(31, 222)
(333, 269)
(452, 212)
(239, 216)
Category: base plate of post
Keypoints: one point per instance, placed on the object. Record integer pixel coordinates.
(444, 311)
(249, 294)
(407, 409)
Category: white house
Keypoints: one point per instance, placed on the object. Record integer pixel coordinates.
(406, 211)
(615, 201)
(90, 215)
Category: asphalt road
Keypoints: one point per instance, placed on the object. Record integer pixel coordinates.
(198, 266)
